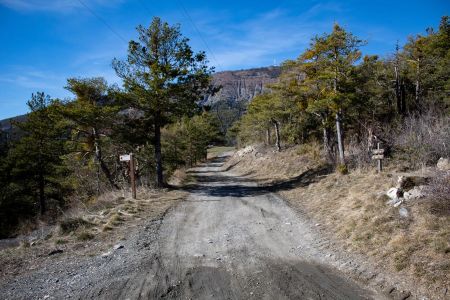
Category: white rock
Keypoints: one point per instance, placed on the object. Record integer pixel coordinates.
(397, 204)
(394, 193)
(106, 254)
(245, 151)
(403, 212)
(415, 193)
(118, 246)
(443, 164)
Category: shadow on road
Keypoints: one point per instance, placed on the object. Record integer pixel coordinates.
(219, 184)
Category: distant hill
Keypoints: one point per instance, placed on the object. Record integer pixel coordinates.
(8, 130)
(242, 85)
(6, 124)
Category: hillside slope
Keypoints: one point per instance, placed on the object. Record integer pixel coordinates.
(354, 208)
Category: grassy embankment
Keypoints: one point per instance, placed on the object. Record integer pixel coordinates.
(353, 208)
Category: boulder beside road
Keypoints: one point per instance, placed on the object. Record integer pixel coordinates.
(443, 164)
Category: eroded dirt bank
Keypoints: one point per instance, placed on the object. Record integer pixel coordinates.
(229, 240)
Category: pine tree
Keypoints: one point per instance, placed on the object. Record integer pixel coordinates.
(90, 119)
(164, 77)
(37, 168)
(329, 63)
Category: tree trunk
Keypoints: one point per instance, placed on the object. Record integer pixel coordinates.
(339, 136)
(398, 84)
(101, 162)
(41, 183)
(42, 202)
(403, 97)
(417, 85)
(107, 173)
(398, 94)
(158, 156)
(268, 136)
(326, 142)
(277, 134)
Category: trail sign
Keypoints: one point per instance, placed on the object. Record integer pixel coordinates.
(378, 151)
(378, 155)
(125, 157)
(129, 158)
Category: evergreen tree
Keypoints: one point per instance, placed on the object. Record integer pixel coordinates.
(330, 62)
(90, 119)
(164, 77)
(37, 167)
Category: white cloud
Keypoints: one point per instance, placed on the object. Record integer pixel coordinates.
(53, 5)
(31, 79)
(262, 39)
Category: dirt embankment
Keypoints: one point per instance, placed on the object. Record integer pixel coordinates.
(415, 249)
(88, 231)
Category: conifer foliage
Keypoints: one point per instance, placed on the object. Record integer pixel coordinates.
(69, 149)
(333, 93)
(165, 78)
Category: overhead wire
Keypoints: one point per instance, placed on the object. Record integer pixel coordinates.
(103, 21)
(198, 32)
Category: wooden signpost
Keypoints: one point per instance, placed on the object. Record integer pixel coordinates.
(378, 154)
(130, 159)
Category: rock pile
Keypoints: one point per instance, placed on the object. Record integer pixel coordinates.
(407, 188)
(245, 151)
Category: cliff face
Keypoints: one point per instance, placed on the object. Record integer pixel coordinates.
(241, 85)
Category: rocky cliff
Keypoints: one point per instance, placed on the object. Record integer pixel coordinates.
(241, 85)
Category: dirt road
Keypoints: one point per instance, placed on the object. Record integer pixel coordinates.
(230, 240)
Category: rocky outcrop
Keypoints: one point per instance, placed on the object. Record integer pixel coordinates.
(242, 85)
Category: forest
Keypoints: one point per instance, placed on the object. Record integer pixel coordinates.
(332, 98)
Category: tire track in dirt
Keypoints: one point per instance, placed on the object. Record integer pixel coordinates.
(230, 239)
(234, 240)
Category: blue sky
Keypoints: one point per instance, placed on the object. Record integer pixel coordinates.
(44, 42)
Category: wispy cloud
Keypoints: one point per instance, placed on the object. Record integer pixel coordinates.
(53, 5)
(265, 37)
(30, 78)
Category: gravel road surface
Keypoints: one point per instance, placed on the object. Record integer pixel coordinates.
(229, 240)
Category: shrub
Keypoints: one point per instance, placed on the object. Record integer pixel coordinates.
(439, 195)
(342, 169)
(85, 236)
(313, 150)
(422, 139)
(71, 224)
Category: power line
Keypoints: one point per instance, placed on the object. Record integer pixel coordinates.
(198, 33)
(103, 21)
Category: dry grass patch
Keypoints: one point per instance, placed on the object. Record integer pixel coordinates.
(89, 227)
(353, 207)
(217, 150)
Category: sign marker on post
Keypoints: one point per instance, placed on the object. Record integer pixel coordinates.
(130, 159)
(378, 155)
(125, 157)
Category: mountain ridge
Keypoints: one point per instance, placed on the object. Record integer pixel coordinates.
(233, 86)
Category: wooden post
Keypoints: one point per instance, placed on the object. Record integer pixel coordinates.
(133, 179)
(378, 154)
(380, 161)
